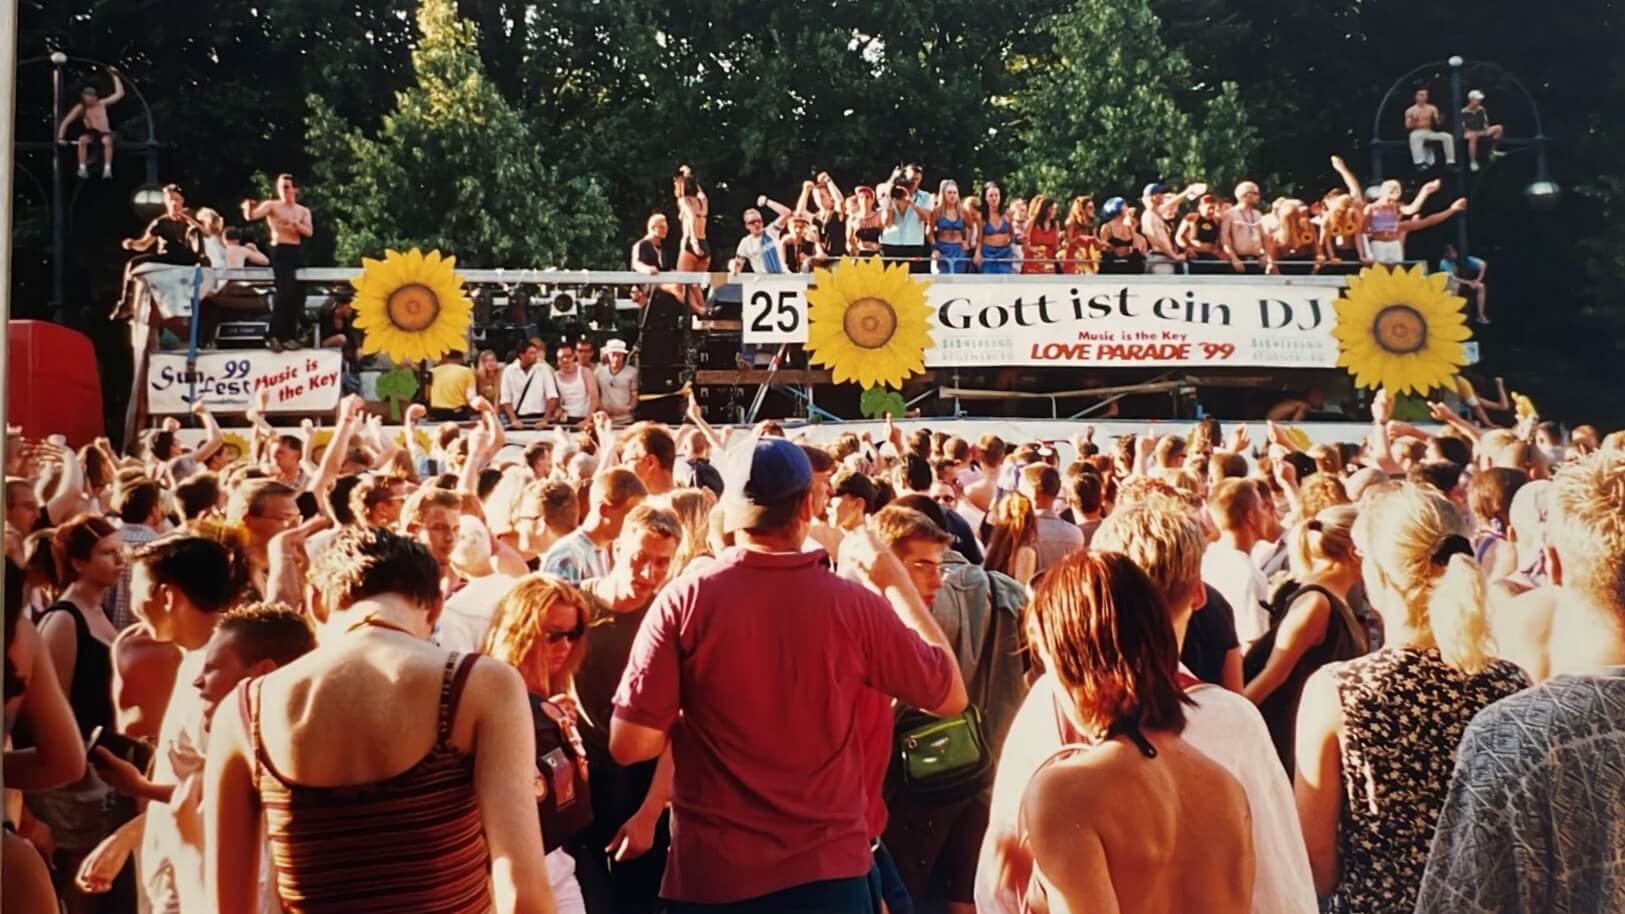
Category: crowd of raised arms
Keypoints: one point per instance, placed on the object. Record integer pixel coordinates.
(981, 230)
(639, 668)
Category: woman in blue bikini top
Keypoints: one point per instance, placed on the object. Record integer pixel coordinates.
(993, 250)
(948, 236)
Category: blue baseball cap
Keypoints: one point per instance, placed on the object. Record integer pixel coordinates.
(774, 471)
(1152, 190)
(1112, 207)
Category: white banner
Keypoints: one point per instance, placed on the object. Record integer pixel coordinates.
(1098, 321)
(300, 382)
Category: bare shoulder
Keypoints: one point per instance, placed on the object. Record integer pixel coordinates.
(1319, 706)
(58, 628)
(24, 647)
(492, 685)
(131, 644)
(493, 673)
(1089, 775)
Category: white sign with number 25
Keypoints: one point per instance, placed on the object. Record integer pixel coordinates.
(775, 309)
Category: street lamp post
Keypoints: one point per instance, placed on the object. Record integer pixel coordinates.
(144, 196)
(59, 227)
(1542, 192)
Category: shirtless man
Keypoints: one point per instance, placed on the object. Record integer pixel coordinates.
(1161, 212)
(289, 225)
(93, 109)
(1423, 121)
(1241, 232)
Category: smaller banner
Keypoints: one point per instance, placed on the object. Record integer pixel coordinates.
(774, 308)
(300, 382)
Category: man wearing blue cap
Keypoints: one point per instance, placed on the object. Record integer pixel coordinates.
(757, 667)
(1161, 209)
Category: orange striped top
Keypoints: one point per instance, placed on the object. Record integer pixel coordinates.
(412, 842)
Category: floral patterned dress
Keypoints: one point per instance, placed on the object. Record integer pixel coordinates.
(1404, 712)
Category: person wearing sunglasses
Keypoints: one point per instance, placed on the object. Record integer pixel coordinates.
(540, 629)
(760, 246)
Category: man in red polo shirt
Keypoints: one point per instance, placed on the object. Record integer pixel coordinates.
(754, 667)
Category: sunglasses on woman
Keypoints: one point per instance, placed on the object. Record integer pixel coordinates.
(572, 634)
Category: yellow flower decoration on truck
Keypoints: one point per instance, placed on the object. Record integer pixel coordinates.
(868, 322)
(1401, 329)
(411, 306)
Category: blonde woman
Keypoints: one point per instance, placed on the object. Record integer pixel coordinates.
(1295, 245)
(949, 249)
(693, 510)
(1012, 546)
(1316, 624)
(1376, 736)
(540, 629)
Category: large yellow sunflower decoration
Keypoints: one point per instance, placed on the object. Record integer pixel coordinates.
(1400, 329)
(868, 322)
(411, 306)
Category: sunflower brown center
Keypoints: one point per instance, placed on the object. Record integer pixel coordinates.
(870, 322)
(412, 307)
(1400, 329)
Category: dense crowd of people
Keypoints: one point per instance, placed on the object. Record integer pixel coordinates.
(985, 231)
(640, 668)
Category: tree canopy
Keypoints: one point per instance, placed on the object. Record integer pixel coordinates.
(454, 166)
(543, 132)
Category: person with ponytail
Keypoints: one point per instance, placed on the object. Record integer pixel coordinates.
(1311, 622)
(693, 211)
(1532, 820)
(1377, 736)
(1012, 546)
(76, 632)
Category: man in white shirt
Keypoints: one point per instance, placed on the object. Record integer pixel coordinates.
(1167, 543)
(1237, 509)
(760, 246)
(907, 210)
(529, 391)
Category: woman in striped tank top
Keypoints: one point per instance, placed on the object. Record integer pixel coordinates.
(389, 775)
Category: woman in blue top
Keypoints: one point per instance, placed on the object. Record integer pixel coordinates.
(993, 253)
(948, 234)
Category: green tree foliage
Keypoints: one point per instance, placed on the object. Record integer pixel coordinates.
(1098, 107)
(453, 167)
(1097, 98)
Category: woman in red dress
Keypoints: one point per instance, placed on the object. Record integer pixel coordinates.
(1043, 241)
(1080, 249)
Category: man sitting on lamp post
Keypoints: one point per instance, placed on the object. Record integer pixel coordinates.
(1423, 121)
(1475, 125)
(92, 110)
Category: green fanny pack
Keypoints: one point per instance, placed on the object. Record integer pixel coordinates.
(941, 759)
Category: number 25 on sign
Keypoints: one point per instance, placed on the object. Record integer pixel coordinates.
(775, 310)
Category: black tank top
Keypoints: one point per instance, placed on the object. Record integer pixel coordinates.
(1344, 640)
(1207, 230)
(91, 692)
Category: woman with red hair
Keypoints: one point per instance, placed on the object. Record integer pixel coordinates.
(1141, 820)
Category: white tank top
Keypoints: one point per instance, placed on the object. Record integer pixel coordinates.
(573, 395)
